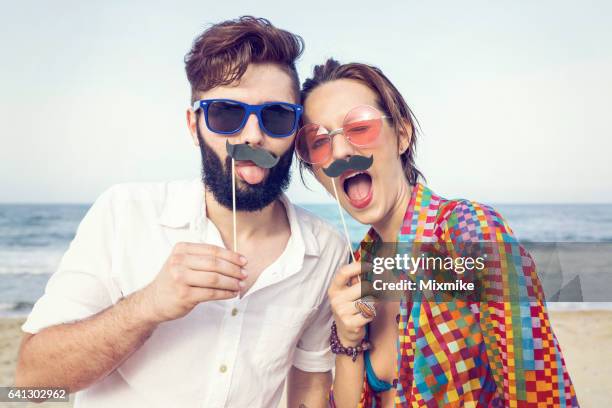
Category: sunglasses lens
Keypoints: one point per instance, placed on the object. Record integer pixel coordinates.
(362, 125)
(279, 119)
(225, 116)
(313, 144)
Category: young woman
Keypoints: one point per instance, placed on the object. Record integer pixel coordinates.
(419, 353)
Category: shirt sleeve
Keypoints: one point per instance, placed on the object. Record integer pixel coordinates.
(524, 354)
(80, 286)
(313, 353)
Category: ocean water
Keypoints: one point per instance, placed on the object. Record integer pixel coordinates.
(33, 238)
(530, 222)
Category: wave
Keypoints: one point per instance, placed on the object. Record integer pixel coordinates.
(16, 309)
(30, 261)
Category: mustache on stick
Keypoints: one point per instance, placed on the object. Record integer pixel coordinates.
(243, 151)
(356, 162)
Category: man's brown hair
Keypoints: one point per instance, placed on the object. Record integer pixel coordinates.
(222, 53)
(389, 100)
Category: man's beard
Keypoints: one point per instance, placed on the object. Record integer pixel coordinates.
(249, 197)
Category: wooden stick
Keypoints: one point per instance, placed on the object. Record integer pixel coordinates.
(348, 238)
(234, 203)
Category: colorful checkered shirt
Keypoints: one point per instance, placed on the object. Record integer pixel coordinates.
(468, 354)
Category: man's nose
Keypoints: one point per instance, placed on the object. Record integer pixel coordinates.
(252, 133)
(341, 148)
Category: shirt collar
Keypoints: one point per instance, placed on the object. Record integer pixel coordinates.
(184, 206)
(300, 230)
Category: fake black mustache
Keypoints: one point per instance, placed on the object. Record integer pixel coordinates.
(356, 162)
(260, 157)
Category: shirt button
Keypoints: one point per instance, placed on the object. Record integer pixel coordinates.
(234, 312)
(223, 368)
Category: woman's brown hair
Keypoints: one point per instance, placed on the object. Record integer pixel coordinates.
(389, 100)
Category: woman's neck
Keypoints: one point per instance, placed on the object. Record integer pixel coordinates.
(388, 227)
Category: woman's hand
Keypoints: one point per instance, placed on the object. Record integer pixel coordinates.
(349, 321)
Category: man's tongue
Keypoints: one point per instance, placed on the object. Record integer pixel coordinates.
(358, 186)
(251, 173)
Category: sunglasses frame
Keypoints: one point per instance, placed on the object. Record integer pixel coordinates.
(204, 104)
(335, 132)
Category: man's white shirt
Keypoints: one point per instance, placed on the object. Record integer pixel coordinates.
(234, 353)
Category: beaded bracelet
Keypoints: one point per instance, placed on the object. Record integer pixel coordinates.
(338, 348)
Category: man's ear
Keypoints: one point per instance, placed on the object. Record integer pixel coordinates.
(192, 123)
(405, 137)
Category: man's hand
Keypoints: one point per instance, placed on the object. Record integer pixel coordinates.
(193, 273)
(75, 355)
(349, 321)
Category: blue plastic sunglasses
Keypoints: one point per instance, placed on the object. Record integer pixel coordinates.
(228, 117)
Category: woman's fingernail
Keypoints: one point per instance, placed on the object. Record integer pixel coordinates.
(244, 272)
(243, 260)
(242, 284)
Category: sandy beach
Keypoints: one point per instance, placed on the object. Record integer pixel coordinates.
(585, 338)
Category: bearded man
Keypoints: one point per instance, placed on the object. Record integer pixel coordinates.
(150, 305)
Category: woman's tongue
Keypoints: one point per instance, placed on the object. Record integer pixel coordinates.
(251, 173)
(358, 187)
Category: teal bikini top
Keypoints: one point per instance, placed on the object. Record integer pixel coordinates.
(375, 383)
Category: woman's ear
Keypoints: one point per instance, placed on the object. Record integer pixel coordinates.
(405, 136)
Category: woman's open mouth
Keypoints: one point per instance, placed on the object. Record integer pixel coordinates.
(357, 186)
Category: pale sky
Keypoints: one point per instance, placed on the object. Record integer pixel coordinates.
(514, 98)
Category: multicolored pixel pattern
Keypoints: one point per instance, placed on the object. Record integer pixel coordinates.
(475, 354)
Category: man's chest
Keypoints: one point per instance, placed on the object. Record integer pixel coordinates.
(262, 255)
(221, 350)
(224, 349)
